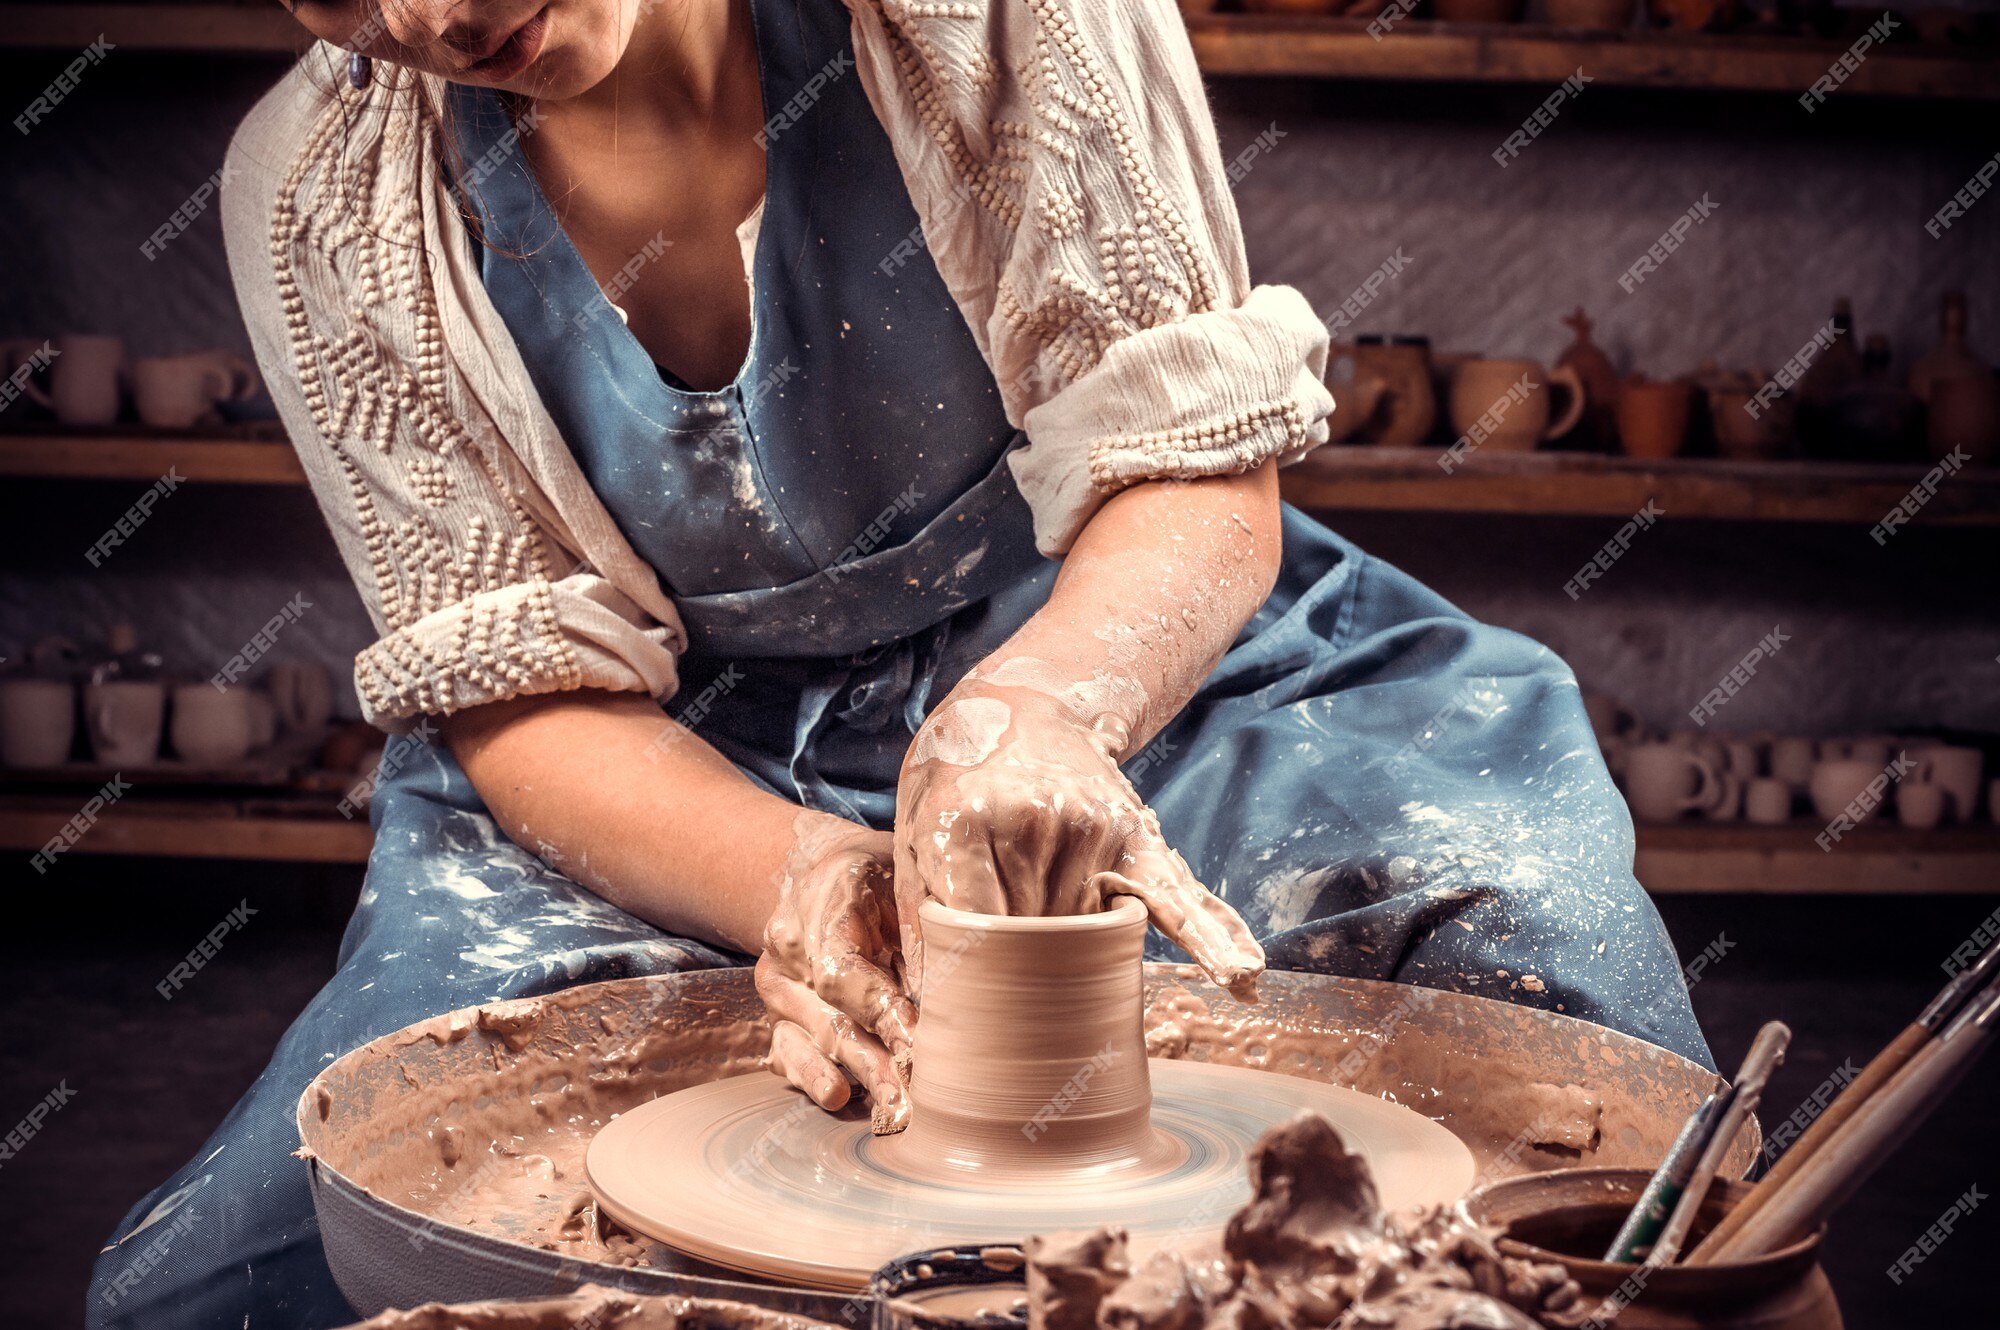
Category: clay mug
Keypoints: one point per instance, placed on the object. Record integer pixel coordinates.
(1965, 413)
(1729, 804)
(180, 392)
(211, 727)
(1837, 784)
(1406, 407)
(1920, 805)
(1611, 720)
(1354, 404)
(303, 690)
(263, 718)
(1653, 417)
(125, 718)
(1507, 402)
(1767, 801)
(1957, 769)
(37, 721)
(1740, 759)
(1792, 761)
(83, 380)
(1664, 780)
(1739, 435)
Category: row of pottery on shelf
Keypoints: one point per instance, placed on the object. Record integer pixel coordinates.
(82, 380)
(1765, 778)
(208, 724)
(1387, 389)
(1817, 18)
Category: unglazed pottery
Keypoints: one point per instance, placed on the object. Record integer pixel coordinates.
(1665, 780)
(1653, 417)
(1837, 787)
(125, 718)
(180, 392)
(37, 721)
(1958, 769)
(1767, 801)
(1569, 1218)
(1407, 406)
(1920, 805)
(83, 380)
(210, 727)
(1495, 389)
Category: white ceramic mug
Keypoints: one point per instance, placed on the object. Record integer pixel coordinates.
(1663, 781)
(1956, 768)
(180, 392)
(1836, 785)
(83, 380)
(1767, 801)
(1792, 761)
(37, 721)
(211, 728)
(1920, 805)
(303, 690)
(125, 718)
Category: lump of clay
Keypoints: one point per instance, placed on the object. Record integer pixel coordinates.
(1069, 1274)
(1311, 1248)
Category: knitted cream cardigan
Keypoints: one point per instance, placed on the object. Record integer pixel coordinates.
(1064, 166)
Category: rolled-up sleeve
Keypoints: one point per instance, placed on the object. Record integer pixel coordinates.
(1065, 169)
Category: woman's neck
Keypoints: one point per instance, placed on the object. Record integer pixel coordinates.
(677, 70)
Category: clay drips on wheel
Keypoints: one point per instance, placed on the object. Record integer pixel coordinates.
(1312, 1249)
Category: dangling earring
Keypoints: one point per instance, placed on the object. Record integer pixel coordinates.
(360, 71)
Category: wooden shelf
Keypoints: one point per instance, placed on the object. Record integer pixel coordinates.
(1420, 51)
(288, 830)
(147, 457)
(1697, 857)
(1360, 478)
(261, 28)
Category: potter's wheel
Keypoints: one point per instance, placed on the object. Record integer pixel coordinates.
(746, 1173)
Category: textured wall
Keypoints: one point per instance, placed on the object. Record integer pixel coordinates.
(1806, 208)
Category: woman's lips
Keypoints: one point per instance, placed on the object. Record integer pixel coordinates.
(515, 54)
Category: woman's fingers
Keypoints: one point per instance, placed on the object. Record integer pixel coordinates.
(835, 1035)
(794, 1057)
(1193, 918)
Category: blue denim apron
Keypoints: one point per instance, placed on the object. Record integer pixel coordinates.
(1382, 786)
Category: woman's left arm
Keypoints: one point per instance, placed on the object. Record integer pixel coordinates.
(1012, 801)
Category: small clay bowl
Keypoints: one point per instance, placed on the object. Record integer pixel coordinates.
(953, 1288)
(1570, 1216)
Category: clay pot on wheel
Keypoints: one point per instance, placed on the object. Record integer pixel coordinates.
(1569, 1218)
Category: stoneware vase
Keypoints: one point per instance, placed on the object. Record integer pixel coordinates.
(1569, 1217)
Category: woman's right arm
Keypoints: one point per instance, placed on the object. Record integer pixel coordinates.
(617, 796)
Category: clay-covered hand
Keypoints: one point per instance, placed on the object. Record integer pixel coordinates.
(1011, 803)
(827, 972)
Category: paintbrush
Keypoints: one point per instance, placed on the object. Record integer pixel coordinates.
(1869, 1136)
(1664, 1189)
(1892, 1059)
(1766, 1053)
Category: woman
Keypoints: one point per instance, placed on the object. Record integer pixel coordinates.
(955, 542)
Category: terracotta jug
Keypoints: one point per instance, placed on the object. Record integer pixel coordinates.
(1354, 404)
(1504, 404)
(1951, 358)
(1570, 1216)
(1599, 427)
(1406, 406)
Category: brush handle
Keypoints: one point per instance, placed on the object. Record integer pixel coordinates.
(1669, 1181)
(1857, 1149)
(1872, 1078)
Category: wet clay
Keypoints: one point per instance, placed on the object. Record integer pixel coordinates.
(477, 1121)
(1034, 1108)
(592, 1308)
(1313, 1248)
(1031, 1051)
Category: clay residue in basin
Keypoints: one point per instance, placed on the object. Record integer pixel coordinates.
(592, 1308)
(1312, 1248)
